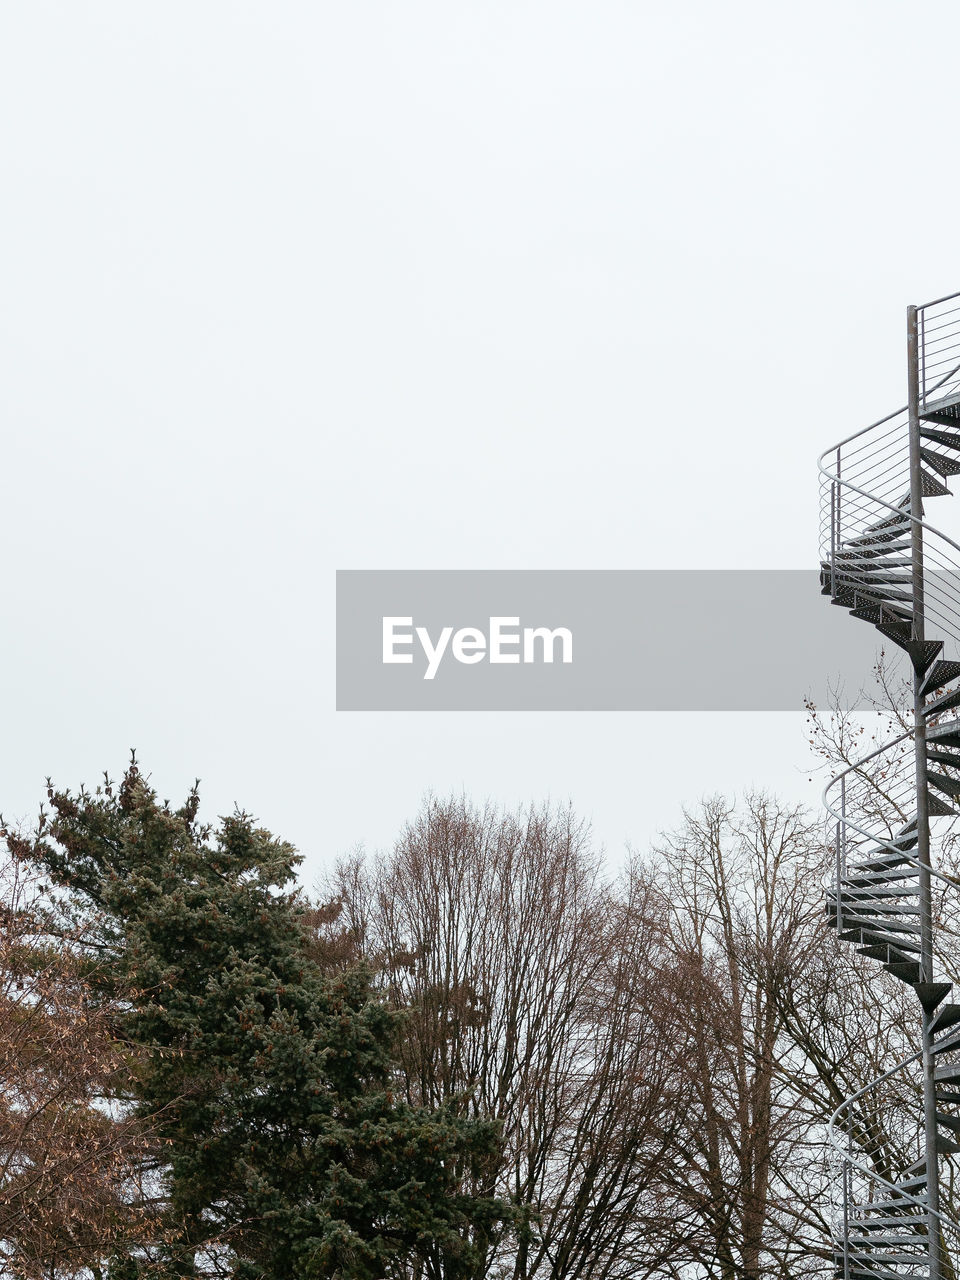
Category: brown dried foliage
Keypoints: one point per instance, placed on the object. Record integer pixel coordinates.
(71, 1162)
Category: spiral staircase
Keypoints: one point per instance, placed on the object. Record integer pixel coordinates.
(883, 561)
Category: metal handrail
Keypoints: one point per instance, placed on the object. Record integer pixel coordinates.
(873, 477)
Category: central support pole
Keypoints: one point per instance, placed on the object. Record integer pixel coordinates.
(923, 810)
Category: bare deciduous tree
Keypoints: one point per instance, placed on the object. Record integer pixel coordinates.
(543, 998)
(662, 1050)
(746, 925)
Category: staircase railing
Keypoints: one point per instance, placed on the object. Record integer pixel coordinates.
(939, 330)
(883, 561)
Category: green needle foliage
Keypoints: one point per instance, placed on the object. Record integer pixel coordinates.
(268, 1081)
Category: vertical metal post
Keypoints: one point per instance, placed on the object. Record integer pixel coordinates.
(923, 814)
(841, 849)
(833, 537)
(846, 1209)
(837, 525)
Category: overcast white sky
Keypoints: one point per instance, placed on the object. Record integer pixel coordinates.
(296, 287)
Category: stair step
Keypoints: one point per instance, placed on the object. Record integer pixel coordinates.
(871, 591)
(938, 808)
(930, 994)
(948, 404)
(917, 1201)
(851, 919)
(892, 930)
(898, 517)
(945, 732)
(908, 1215)
(951, 786)
(947, 1073)
(897, 957)
(868, 613)
(908, 973)
(940, 462)
(905, 838)
(874, 605)
(860, 1270)
(889, 1258)
(930, 486)
(923, 653)
(890, 913)
(878, 899)
(886, 888)
(944, 757)
(887, 1228)
(884, 1241)
(899, 513)
(884, 913)
(942, 410)
(889, 531)
(941, 673)
(868, 886)
(898, 632)
(885, 955)
(941, 437)
(867, 577)
(948, 1016)
(866, 879)
(883, 951)
(877, 934)
(947, 1043)
(880, 557)
(898, 549)
(945, 702)
(949, 1122)
(866, 565)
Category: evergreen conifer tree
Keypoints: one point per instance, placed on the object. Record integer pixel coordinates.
(268, 1081)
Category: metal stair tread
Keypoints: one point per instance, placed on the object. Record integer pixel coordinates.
(873, 925)
(950, 786)
(908, 973)
(940, 674)
(947, 729)
(945, 702)
(941, 437)
(938, 808)
(865, 880)
(869, 900)
(940, 462)
(930, 486)
(939, 406)
(947, 1016)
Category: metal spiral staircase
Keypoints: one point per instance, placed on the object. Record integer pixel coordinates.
(883, 561)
